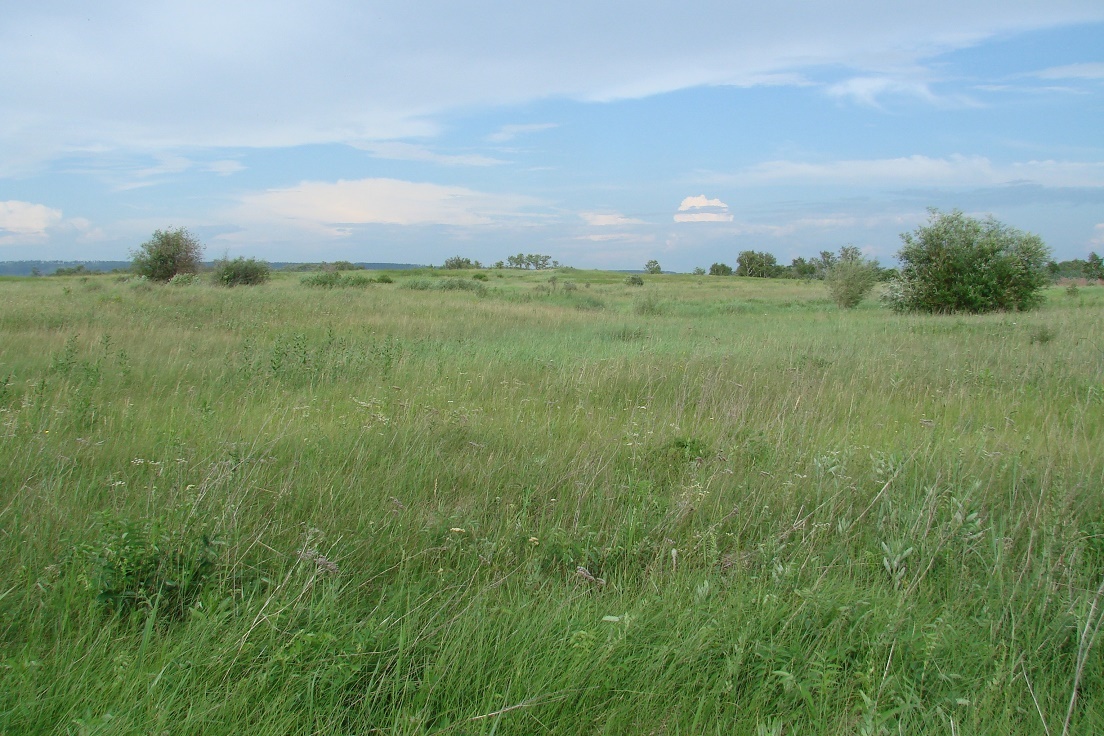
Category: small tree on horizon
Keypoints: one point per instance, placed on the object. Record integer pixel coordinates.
(168, 253)
(652, 267)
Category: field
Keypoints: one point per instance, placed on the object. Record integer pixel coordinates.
(547, 502)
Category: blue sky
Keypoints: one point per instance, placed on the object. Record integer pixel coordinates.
(604, 134)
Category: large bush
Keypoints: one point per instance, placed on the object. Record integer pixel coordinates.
(850, 277)
(242, 272)
(957, 263)
(168, 253)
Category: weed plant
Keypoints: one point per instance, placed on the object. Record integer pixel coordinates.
(287, 510)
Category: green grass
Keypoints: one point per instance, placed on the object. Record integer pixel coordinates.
(708, 505)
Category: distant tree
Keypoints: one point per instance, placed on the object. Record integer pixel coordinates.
(652, 267)
(957, 263)
(168, 253)
(457, 262)
(754, 263)
(1094, 267)
(720, 269)
(699, 271)
(803, 269)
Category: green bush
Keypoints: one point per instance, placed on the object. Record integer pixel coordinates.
(720, 269)
(168, 253)
(957, 263)
(242, 272)
(184, 279)
(849, 279)
(335, 280)
(634, 280)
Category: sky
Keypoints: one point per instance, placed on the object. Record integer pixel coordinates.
(602, 133)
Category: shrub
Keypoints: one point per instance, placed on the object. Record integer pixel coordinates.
(634, 280)
(242, 272)
(480, 277)
(168, 253)
(720, 269)
(138, 566)
(184, 279)
(384, 279)
(335, 279)
(957, 263)
(850, 278)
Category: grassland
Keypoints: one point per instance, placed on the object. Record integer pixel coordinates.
(704, 505)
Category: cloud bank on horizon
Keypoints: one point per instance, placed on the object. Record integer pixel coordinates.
(601, 134)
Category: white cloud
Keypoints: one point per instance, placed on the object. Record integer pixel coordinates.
(1091, 70)
(224, 167)
(1098, 235)
(618, 238)
(702, 209)
(398, 151)
(510, 132)
(26, 222)
(952, 171)
(212, 73)
(333, 208)
(609, 219)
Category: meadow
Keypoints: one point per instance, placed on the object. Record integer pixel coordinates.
(545, 502)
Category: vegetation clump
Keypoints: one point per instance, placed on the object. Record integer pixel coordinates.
(242, 272)
(957, 263)
(850, 278)
(167, 253)
(634, 280)
(335, 280)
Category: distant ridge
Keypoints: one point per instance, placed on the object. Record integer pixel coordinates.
(46, 268)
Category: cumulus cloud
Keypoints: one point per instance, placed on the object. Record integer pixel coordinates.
(333, 208)
(702, 209)
(26, 222)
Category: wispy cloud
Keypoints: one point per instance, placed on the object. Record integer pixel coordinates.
(334, 208)
(224, 167)
(702, 209)
(399, 151)
(609, 219)
(1091, 70)
(509, 132)
(951, 171)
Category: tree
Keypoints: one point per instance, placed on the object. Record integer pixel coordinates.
(753, 263)
(652, 267)
(1094, 267)
(720, 269)
(802, 269)
(850, 277)
(957, 263)
(457, 262)
(168, 253)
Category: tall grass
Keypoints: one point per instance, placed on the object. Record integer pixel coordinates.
(737, 510)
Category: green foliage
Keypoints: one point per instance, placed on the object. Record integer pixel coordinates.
(720, 269)
(138, 566)
(756, 264)
(242, 272)
(850, 278)
(77, 270)
(458, 262)
(653, 267)
(1094, 267)
(634, 280)
(167, 253)
(957, 263)
(185, 279)
(335, 280)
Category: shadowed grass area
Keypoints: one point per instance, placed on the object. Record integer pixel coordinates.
(526, 508)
